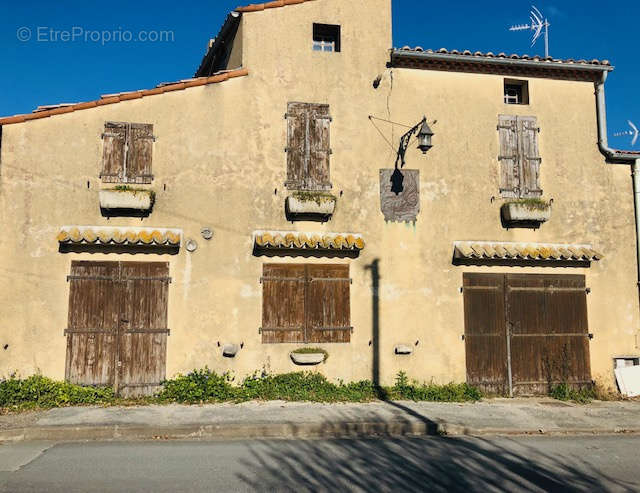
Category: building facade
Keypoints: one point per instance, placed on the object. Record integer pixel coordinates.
(262, 206)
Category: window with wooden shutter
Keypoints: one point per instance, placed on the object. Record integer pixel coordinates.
(519, 157)
(113, 152)
(283, 296)
(306, 304)
(308, 146)
(127, 153)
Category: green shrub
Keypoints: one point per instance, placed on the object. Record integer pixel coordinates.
(451, 392)
(39, 391)
(198, 386)
(207, 386)
(564, 392)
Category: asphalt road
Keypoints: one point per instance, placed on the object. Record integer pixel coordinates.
(606, 463)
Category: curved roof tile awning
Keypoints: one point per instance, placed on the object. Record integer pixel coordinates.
(540, 252)
(109, 236)
(319, 242)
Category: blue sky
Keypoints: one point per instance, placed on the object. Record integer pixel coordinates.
(48, 71)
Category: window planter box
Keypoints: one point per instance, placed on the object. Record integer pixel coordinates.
(526, 211)
(308, 359)
(137, 200)
(309, 205)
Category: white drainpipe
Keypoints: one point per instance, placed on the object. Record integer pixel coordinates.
(619, 157)
(635, 171)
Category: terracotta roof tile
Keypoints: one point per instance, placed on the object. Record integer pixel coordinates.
(479, 250)
(256, 7)
(52, 110)
(489, 55)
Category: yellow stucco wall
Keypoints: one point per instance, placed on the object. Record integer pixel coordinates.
(220, 154)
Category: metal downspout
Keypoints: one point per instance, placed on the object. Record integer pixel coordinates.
(620, 157)
(635, 172)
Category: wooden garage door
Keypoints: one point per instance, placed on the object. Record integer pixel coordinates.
(547, 318)
(117, 332)
(485, 336)
(525, 333)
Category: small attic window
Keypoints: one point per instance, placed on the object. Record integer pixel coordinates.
(516, 91)
(326, 37)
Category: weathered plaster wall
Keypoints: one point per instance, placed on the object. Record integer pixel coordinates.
(220, 153)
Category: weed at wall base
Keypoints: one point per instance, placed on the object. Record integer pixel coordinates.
(206, 386)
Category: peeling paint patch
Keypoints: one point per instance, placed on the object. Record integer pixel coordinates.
(434, 190)
(248, 291)
(186, 277)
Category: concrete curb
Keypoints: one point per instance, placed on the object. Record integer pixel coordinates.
(276, 430)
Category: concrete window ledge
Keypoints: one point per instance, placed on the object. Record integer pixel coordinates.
(307, 359)
(135, 200)
(518, 212)
(309, 205)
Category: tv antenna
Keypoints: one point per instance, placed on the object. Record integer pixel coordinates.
(538, 23)
(632, 133)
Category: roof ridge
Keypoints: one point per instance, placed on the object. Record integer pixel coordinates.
(125, 96)
(257, 7)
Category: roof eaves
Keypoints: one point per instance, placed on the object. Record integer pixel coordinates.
(501, 60)
(228, 29)
(125, 96)
(258, 7)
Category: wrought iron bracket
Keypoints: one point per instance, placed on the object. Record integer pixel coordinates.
(404, 143)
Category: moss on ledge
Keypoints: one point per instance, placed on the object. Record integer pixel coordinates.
(317, 197)
(531, 204)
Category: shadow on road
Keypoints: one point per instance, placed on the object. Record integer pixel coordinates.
(418, 464)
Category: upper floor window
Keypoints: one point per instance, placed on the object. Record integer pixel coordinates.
(308, 146)
(127, 152)
(326, 37)
(519, 157)
(516, 91)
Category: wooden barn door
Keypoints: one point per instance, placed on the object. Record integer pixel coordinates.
(142, 339)
(547, 318)
(117, 333)
(526, 332)
(92, 333)
(484, 333)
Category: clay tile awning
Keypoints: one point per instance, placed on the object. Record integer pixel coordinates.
(479, 251)
(124, 237)
(295, 241)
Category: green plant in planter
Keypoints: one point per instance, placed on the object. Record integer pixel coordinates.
(311, 350)
(128, 188)
(532, 204)
(317, 197)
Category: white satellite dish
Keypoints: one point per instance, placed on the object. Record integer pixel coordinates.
(538, 23)
(633, 133)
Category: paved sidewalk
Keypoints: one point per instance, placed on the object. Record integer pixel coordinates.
(308, 420)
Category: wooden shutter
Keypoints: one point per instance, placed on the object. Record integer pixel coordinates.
(113, 154)
(328, 304)
(530, 156)
(297, 131)
(547, 317)
(308, 146)
(508, 158)
(283, 303)
(318, 177)
(139, 153)
(92, 324)
(485, 332)
(143, 327)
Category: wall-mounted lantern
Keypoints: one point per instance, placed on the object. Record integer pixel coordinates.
(425, 135)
